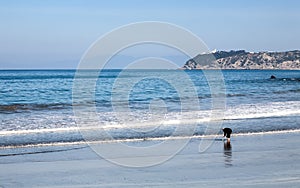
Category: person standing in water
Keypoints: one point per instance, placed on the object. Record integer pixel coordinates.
(227, 132)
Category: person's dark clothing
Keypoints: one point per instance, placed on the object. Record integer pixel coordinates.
(227, 132)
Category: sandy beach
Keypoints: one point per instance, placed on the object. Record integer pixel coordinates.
(261, 160)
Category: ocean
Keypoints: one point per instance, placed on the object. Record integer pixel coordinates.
(37, 106)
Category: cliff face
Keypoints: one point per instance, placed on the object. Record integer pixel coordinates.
(245, 60)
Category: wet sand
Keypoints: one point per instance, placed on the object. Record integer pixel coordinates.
(263, 160)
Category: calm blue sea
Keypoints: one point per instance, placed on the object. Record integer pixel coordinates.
(36, 106)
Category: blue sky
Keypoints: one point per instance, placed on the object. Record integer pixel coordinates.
(56, 33)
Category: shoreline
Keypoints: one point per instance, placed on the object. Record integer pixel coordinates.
(133, 140)
(261, 160)
(83, 142)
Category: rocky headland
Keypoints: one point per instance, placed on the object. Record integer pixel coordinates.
(245, 60)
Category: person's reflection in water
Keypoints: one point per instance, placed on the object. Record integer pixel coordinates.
(227, 154)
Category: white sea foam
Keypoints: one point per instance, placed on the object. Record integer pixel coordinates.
(38, 131)
(268, 132)
(139, 121)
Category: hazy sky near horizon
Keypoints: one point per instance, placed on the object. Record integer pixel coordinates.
(55, 34)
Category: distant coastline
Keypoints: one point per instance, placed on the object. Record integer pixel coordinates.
(241, 59)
